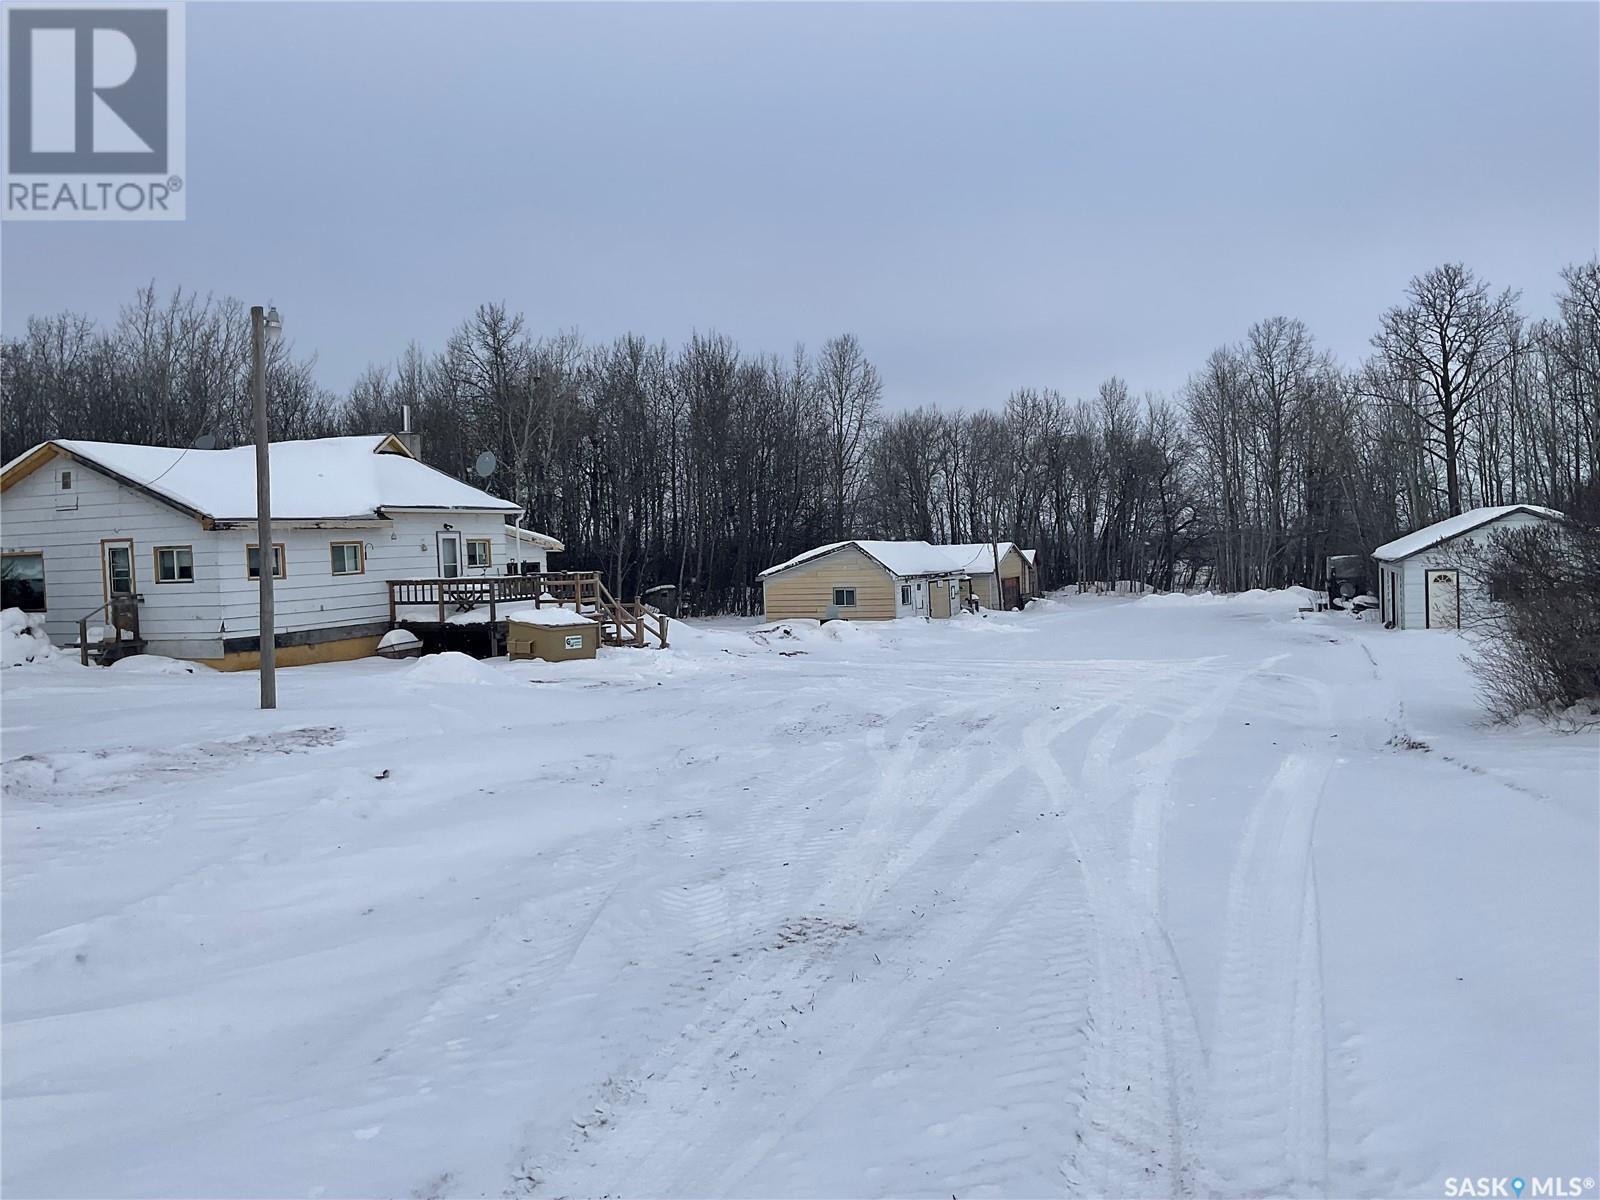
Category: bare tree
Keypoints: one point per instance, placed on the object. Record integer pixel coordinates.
(1449, 339)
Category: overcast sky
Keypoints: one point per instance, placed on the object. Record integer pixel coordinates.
(987, 196)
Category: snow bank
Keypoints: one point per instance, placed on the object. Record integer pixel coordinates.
(803, 631)
(451, 667)
(157, 664)
(22, 638)
(1257, 598)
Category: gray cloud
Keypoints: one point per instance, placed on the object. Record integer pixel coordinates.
(988, 196)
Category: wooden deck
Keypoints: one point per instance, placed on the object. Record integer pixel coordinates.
(438, 603)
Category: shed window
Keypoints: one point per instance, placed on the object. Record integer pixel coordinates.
(347, 557)
(66, 488)
(1506, 585)
(252, 559)
(844, 597)
(174, 564)
(22, 582)
(66, 480)
(478, 552)
(905, 593)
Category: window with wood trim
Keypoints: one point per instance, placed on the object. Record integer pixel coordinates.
(479, 552)
(348, 558)
(252, 561)
(844, 597)
(174, 564)
(22, 582)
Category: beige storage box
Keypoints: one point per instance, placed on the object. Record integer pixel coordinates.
(553, 634)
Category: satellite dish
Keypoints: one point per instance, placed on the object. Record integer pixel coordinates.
(485, 465)
(205, 441)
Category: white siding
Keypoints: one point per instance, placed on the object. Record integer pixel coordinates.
(176, 618)
(520, 550)
(311, 596)
(1413, 594)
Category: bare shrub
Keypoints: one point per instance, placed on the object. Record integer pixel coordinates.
(1538, 648)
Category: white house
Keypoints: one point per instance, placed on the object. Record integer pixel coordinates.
(81, 522)
(1426, 580)
(527, 552)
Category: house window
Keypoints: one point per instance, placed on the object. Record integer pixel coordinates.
(174, 564)
(844, 597)
(905, 593)
(66, 495)
(252, 559)
(478, 552)
(348, 558)
(22, 582)
(66, 481)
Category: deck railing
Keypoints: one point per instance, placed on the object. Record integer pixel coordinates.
(620, 624)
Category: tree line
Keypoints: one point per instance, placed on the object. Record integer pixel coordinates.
(699, 465)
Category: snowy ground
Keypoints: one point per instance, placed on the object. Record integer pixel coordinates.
(1109, 897)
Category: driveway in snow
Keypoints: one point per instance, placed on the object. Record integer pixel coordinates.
(1165, 897)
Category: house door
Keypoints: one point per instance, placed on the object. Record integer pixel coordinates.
(1444, 600)
(941, 598)
(449, 555)
(117, 568)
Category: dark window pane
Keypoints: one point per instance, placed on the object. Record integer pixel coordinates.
(22, 582)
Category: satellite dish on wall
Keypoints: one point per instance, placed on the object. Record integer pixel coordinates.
(206, 441)
(485, 465)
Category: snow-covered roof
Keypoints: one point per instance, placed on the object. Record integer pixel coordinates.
(1452, 527)
(977, 558)
(550, 618)
(904, 559)
(319, 480)
(534, 538)
(1031, 556)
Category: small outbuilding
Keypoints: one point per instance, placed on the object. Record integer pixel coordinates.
(1427, 580)
(864, 581)
(553, 634)
(1011, 585)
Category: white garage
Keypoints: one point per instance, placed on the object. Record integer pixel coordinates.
(1426, 581)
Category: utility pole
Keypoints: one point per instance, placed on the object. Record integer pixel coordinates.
(264, 326)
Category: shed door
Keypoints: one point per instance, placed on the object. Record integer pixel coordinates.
(1444, 600)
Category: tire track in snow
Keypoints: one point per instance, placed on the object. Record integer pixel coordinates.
(1136, 1111)
(659, 1147)
(1265, 1116)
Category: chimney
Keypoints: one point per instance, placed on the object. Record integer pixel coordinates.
(410, 440)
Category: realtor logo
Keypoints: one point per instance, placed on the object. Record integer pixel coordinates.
(94, 112)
